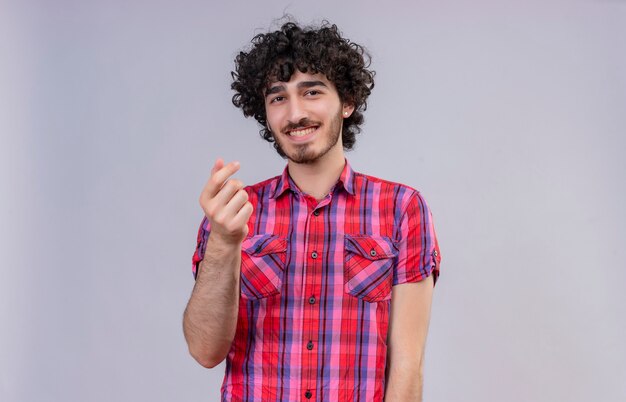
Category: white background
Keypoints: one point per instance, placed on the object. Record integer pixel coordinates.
(509, 116)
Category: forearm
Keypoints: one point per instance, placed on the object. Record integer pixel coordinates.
(210, 319)
(408, 328)
(404, 383)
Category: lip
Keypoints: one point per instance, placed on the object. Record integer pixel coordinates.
(304, 138)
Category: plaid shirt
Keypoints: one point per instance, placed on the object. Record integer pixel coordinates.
(316, 282)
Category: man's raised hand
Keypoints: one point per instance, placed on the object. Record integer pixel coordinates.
(225, 204)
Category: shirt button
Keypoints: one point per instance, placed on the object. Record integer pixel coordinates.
(309, 345)
(373, 253)
(435, 253)
(312, 300)
(308, 394)
(314, 255)
(316, 212)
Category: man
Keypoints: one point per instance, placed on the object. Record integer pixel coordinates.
(315, 284)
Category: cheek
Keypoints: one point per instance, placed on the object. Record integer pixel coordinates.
(333, 109)
(272, 120)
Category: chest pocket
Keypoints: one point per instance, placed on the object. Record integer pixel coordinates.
(368, 267)
(262, 265)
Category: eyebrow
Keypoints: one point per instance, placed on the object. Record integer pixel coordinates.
(301, 85)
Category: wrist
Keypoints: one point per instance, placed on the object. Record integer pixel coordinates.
(222, 245)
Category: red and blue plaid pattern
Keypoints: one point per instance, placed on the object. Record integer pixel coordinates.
(316, 283)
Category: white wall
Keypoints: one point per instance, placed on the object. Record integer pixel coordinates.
(508, 116)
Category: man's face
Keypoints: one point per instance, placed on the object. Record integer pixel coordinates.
(305, 116)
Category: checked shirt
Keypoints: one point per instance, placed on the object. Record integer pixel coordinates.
(316, 283)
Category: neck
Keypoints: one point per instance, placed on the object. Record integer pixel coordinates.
(318, 178)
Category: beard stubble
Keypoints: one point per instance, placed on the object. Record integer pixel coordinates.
(303, 153)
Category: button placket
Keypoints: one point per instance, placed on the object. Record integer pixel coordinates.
(312, 268)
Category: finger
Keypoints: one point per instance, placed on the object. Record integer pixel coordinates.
(219, 177)
(219, 163)
(213, 206)
(236, 202)
(228, 190)
(216, 181)
(224, 215)
(243, 215)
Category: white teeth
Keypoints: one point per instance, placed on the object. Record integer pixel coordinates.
(301, 133)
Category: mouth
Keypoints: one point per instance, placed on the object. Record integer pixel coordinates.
(302, 133)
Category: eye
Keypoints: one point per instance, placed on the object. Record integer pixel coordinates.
(313, 92)
(277, 99)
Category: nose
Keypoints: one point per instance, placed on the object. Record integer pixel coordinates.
(297, 110)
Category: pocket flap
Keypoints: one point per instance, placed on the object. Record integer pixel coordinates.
(371, 247)
(264, 244)
(262, 265)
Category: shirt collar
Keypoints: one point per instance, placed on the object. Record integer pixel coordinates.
(346, 180)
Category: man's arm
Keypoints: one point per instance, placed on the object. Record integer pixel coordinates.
(210, 319)
(408, 326)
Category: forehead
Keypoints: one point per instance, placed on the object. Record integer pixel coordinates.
(298, 77)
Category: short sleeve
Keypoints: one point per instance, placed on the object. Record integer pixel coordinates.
(418, 249)
(198, 255)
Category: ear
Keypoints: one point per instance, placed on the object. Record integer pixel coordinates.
(347, 110)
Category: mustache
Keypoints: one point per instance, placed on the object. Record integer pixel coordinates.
(304, 122)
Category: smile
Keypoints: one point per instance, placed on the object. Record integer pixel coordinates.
(301, 132)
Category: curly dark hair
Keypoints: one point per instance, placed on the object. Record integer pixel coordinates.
(277, 55)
